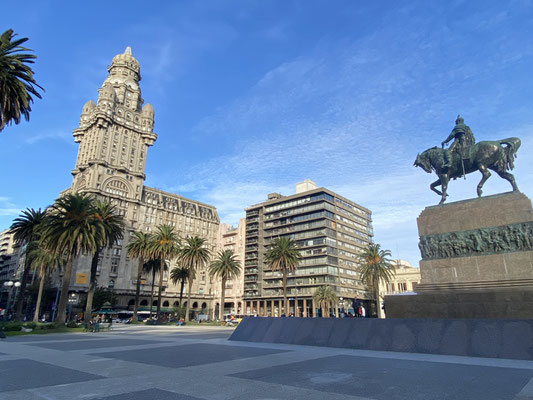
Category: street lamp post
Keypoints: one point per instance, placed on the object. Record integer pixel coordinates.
(10, 285)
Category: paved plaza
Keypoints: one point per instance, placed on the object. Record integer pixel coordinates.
(192, 362)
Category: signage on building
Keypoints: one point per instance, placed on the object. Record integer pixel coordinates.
(81, 278)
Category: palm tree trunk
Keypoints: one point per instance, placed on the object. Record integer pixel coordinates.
(138, 288)
(378, 305)
(181, 291)
(62, 306)
(187, 319)
(285, 302)
(22, 290)
(152, 292)
(92, 285)
(324, 313)
(222, 298)
(39, 296)
(161, 271)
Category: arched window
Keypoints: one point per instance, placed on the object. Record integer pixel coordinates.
(166, 304)
(131, 302)
(154, 303)
(144, 302)
(176, 304)
(195, 305)
(204, 306)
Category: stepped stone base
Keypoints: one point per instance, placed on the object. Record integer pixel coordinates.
(506, 303)
(477, 261)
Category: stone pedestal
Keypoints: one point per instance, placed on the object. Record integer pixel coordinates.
(475, 253)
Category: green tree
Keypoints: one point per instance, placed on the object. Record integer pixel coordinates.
(69, 229)
(374, 267)
(109, 230)
(138, 248)
(102, 296)
(193, 255)
(16, 80)
(225, 267)
(165, 246)
(325, 298)
(180, 274)
(25, 229)
(45, 261)
(283, 255)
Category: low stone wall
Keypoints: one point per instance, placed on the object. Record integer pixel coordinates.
(511, 339)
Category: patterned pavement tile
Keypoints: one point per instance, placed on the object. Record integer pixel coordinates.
(188, 355)
(392, 379)
(29, 374)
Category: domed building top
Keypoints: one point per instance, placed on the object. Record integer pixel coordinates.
(148, 109)
(127, 61)
(88, 107)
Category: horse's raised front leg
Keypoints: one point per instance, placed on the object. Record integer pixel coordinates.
(509, 177)
(444, 185)
(434, 185)
(486, 175)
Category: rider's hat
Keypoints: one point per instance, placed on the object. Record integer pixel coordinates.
(459, 120)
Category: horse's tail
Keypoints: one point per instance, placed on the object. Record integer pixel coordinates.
(512, 145)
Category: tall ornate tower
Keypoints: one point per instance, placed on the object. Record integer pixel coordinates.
(114, 134)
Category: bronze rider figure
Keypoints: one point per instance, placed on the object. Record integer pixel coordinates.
(464, 138)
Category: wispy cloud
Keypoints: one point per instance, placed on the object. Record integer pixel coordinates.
(63, 135)
(8, 208)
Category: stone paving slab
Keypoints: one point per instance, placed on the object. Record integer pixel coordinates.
(189, 355)
(150, 394)
(24, 374)
(396, 379)
(92, 344)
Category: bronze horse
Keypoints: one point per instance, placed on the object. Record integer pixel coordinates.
(482, 156)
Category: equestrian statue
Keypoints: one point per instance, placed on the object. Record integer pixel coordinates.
(465, 156)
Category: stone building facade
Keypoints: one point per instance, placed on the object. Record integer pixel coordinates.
(114, 135)
(330, 231)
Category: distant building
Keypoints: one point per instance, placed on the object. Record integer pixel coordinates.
(329, 229)
(114, 135)
(405, 279)
(232, 238)
(11, 264)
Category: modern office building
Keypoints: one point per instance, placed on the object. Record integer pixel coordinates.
(233, 238)
(114, 135)
(329, 229)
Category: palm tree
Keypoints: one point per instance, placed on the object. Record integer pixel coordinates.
(375, 266)
(224, 267)
(16, 80)
(25, 229)
(45, 261)
(138, 248)
(165, 245)
(193, 255)
(325, 298)
(109, 228)
(283, 255)
(69, 229)
(180, 274)
(153, 267)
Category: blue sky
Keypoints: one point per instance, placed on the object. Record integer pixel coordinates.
(251, 97)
